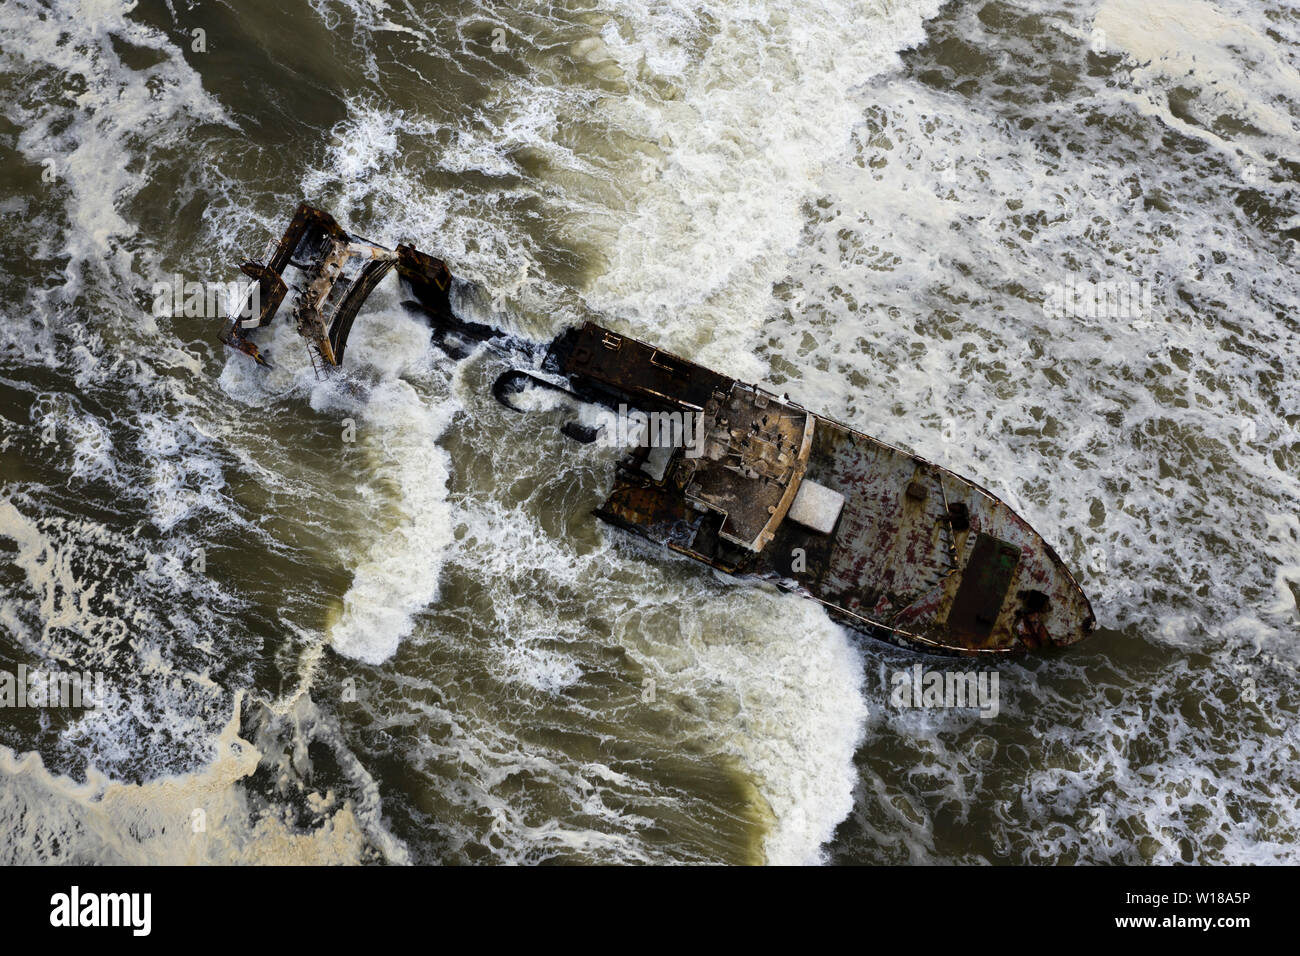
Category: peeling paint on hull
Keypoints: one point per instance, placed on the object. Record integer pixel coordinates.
(919, 556)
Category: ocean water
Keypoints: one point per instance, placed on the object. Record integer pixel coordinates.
(418, 646)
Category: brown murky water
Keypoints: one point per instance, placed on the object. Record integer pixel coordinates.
(420, 646)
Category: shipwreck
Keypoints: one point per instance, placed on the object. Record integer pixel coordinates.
(750, 482)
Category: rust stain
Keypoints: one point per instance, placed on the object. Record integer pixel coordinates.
(916, 554)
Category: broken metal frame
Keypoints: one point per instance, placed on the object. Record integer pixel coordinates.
(340, 270)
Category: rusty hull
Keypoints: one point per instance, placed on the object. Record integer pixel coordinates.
(916, 554)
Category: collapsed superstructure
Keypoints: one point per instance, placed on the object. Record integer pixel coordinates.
(339, 271)
(888, 543)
